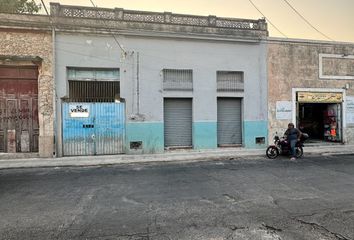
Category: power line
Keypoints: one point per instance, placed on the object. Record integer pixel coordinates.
(115, 38)
(267, 19)
(303, 18)
(47, 12)
(45, 8)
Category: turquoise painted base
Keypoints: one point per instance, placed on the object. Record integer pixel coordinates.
(151, 135)
(252, 130)
(204, 135)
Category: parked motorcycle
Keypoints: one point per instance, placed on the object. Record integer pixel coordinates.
(282, 147)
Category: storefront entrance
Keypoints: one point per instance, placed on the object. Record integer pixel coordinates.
(320, 115)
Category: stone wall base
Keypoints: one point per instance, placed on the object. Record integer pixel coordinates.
(349, 135)
(46, 146)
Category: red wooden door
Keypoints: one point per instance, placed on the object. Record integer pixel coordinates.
(19, 128)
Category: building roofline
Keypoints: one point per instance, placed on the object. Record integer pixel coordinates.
(151, 12)
(306, 41)
(119, 18)
(29, 22)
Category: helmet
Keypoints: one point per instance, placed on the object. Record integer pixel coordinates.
(291, 125)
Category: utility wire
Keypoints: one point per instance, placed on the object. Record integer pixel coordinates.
(45, 8)
(267, 19)
(47, 12)
(115, 38)
(303, 18)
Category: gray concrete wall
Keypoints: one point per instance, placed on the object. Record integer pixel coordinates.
(203, 57)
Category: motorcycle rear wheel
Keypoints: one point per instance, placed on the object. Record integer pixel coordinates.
(299, 152)
(272, 152)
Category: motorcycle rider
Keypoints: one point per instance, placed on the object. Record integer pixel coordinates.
(292, 135)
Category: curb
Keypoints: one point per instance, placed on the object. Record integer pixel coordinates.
(18, 164)
(142, 159)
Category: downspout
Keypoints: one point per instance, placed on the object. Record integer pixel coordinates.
(55, 148)
(138, 83)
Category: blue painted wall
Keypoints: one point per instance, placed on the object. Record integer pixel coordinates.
(152, 136)
(253, 129)
(150, 133)
(204, 135)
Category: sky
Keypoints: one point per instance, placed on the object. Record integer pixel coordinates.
(334, 18)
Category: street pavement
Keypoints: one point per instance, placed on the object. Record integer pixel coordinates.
(21, 160)
(246, 198)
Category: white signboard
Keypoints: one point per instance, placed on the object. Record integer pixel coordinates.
(79, 110)
(350, 110)
(284, 110)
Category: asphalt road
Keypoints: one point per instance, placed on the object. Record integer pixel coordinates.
(312, 198)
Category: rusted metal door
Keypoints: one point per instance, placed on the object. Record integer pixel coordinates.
(93, 128)
(19, 128)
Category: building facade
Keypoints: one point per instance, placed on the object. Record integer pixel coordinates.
(26, 85)
(311, 83)
(180, 81)
(146, 82)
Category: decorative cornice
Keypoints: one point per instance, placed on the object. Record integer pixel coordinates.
(118, 19)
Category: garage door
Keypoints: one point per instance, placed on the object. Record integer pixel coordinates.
(178, 122)
(93, 128)
(229, 121)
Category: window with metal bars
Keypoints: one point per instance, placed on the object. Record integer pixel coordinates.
(86, 91)
(178, 79)
(93, 85)
(230, 81)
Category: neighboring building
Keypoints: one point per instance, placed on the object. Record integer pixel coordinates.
(26, 85)
(311, 83)
(181, 81)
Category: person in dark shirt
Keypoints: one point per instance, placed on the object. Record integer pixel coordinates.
(292, 135)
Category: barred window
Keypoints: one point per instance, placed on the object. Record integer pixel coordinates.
(230, 81)
(97, 91)
(93, 85)
(178, 79)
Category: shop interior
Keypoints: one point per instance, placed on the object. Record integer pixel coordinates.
(322, 121)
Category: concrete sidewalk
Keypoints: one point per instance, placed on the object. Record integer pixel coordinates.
(172, 156)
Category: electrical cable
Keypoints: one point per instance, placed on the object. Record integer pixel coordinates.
(303, 18)
(45, 8)
(267, 18)
(115, 38)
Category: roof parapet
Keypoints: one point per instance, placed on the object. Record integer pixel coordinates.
(120, 14)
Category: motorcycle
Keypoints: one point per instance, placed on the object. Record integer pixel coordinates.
(282, 147)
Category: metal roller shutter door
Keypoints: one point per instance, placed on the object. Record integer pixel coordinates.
(178, 122)
(229, 121)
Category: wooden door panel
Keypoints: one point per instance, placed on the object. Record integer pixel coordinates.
(3, 123)
(11, 113)
(34, 125)
(19, 72)
(8, 88)
(19, 127)
(11, 117)
(28, 73)
(27, 88)
(24, 114)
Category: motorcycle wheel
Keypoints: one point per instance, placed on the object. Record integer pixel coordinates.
(272, 152)
(299, 152)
